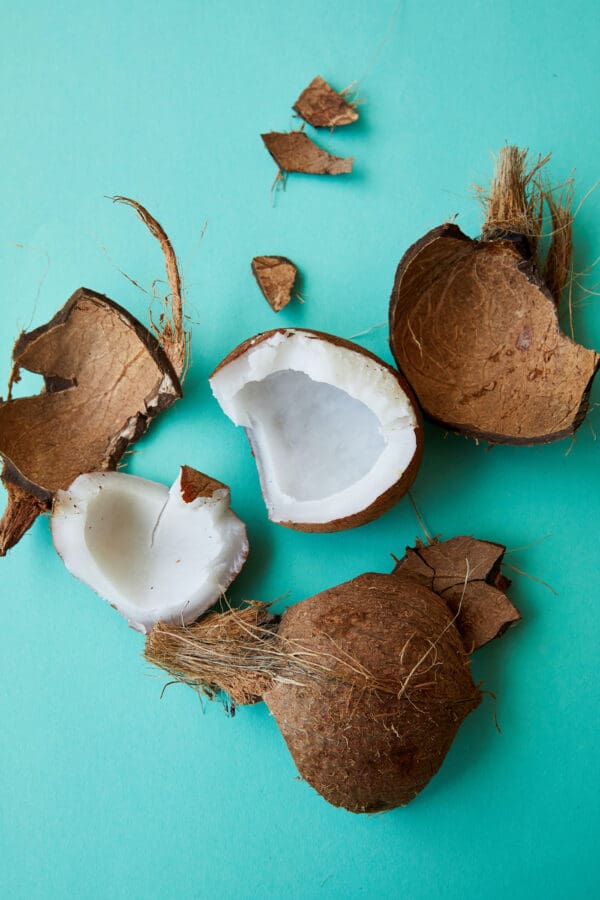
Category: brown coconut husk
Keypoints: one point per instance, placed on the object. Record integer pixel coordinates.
(275, 276)
(321, 106)
(293, 151)
(474, 325)
(105, 378)
(232, 652)
(369, 681)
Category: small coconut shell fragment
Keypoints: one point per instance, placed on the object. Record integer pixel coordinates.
(106, 377)
(321, 106)
(466, 573)
(275, 276)
(293, 151)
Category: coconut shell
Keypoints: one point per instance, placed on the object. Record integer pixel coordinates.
(397, 490)
(475, 331)
(321, 106)
(466, 573)
(275, 276)
(106, 377)
(372, 731)
(293, 151)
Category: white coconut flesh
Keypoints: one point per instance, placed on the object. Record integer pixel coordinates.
(331, 429)
(151, 554)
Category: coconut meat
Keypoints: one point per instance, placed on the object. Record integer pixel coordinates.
(331, 429)
(141, 546)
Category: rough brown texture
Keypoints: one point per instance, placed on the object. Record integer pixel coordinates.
(466, 573)
(475, 332)
(396, 491)
(275, 276)
(369, 683)
(321, 106)
(293, 151)
(373, 747)
(105, 378)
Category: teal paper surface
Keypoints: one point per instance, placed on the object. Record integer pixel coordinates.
(107, 791)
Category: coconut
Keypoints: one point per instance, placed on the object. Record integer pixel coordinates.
(275, 276)
(321, 106)
(334, 430)
(155, 554)
(368, 681)
(474, 323)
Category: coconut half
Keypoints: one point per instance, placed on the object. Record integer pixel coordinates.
(335, 431)
(156, 554)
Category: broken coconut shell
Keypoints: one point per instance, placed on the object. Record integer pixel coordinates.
(275, 276)
(474, 325)
(321, 106)
(105, 376)
(293, 151)
(368, 681)
(154, 553)
(466, 573)
(334, 430)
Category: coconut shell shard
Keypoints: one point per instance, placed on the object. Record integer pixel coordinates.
(106, 377)
(475, 331)
(293, 151)
(275, 276)
(466, 573)
(321, 106)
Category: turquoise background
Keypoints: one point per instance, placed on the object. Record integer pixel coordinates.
(105, 790)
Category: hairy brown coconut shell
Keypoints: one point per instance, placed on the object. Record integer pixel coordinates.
(474, 329)
(371, 737)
